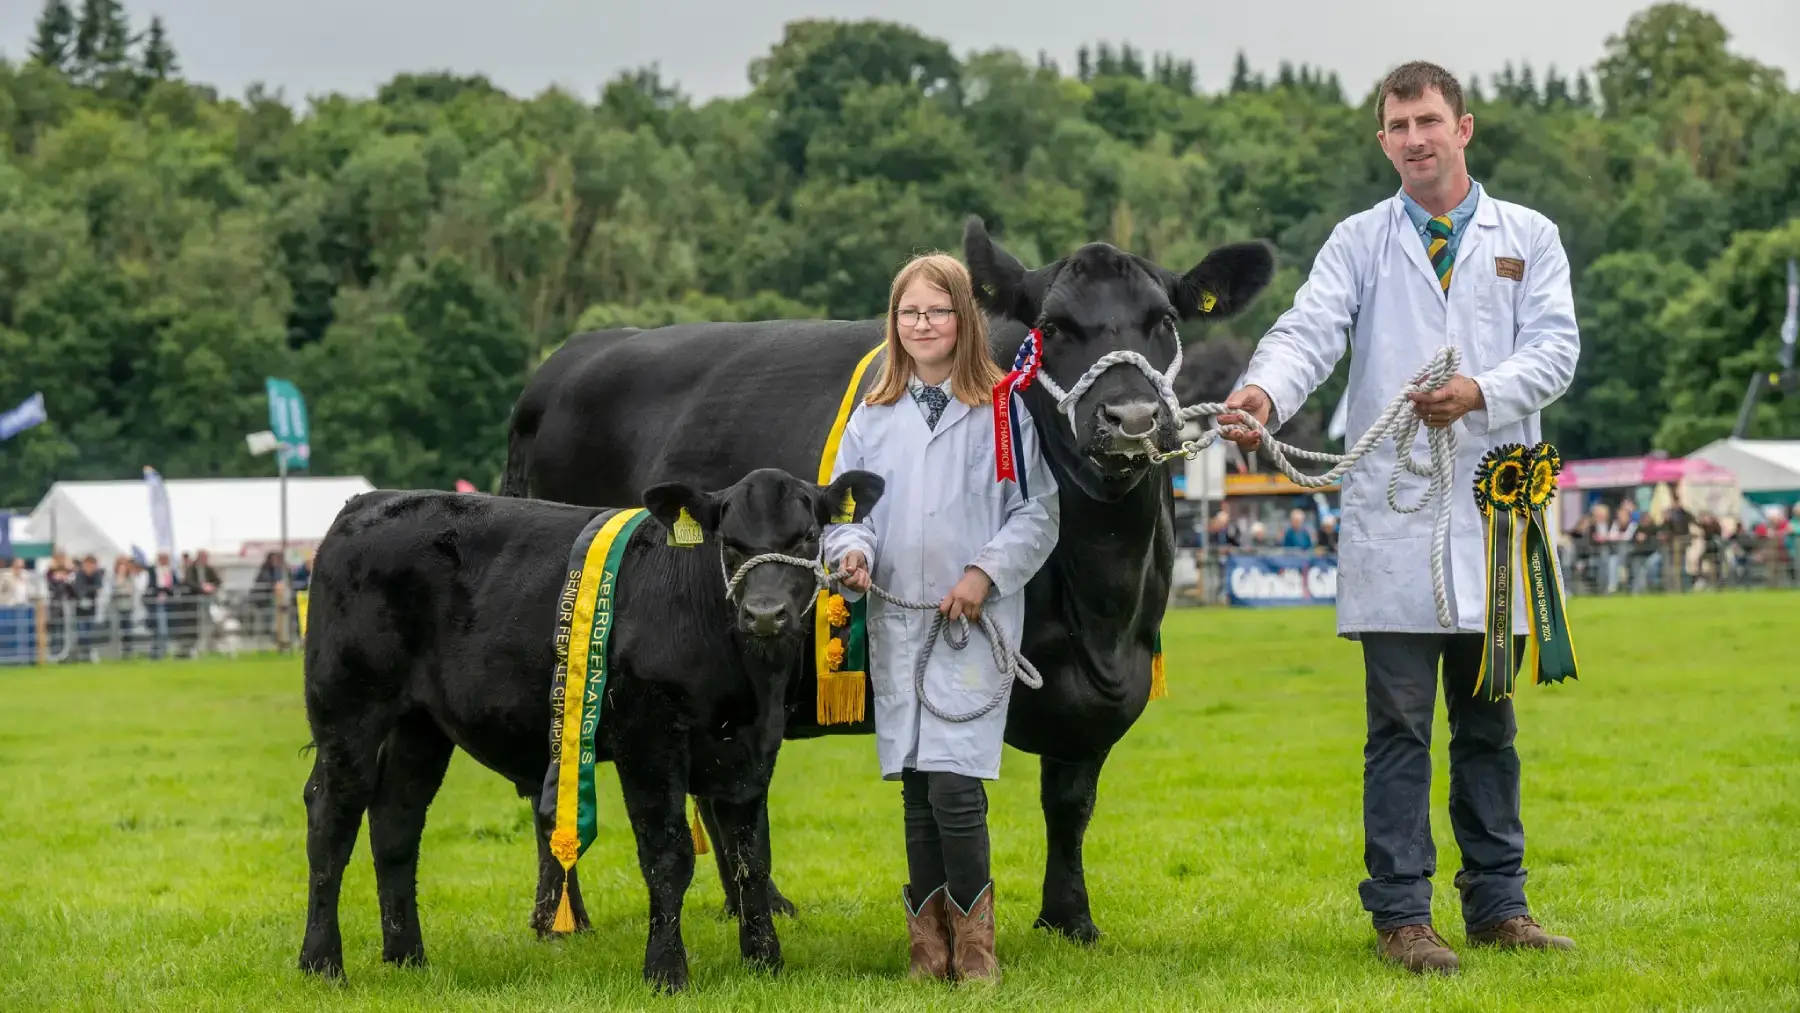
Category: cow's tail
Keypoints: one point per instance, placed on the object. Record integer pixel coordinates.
(516, 480)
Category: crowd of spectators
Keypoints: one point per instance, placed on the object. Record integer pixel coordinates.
(1615, 547)
(1620, 547)
(136, 606)
(1304, 531)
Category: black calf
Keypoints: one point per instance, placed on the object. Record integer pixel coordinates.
(431, 628)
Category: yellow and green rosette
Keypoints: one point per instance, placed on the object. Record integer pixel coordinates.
(1513, 486)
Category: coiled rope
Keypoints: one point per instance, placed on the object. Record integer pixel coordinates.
(1012, 664)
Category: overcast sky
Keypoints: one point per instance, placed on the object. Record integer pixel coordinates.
(312, 46)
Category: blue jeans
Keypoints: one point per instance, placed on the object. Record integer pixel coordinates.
(159, 622)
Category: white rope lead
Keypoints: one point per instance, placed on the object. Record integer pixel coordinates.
(1012, 663)
(1397, 420)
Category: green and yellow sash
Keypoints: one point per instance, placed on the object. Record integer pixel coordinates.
(840, 627)
(584, 608)
(1513, 485)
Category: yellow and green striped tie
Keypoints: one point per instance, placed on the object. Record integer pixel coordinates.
(1439, 249)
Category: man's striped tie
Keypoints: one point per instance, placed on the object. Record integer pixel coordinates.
(1439, 230)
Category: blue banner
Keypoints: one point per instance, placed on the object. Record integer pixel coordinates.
(1287, 579)
(5, 534)
(30, 412)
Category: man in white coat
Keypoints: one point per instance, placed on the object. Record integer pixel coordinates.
(1441, 262)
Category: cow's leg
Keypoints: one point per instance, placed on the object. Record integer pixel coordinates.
(413, 761)
(1068, 789)
(654, 783)
(745, 853)
(778, 904)
(550, 882)
(337, 793)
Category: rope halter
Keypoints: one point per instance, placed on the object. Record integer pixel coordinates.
(1163, 381)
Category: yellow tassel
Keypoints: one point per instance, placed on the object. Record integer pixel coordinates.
(699, 831)
(1159, 683)
(841, 697)
(565, 918)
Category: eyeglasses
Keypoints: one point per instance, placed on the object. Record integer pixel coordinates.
(937, 316)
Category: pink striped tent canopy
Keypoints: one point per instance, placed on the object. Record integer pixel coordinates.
(1617, 472)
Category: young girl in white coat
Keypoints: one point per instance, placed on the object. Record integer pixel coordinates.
(944, 530)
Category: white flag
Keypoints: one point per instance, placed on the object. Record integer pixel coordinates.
(161, 521)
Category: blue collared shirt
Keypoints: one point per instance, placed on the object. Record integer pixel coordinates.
(1459, 217)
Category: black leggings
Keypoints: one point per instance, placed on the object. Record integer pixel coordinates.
(946, 834)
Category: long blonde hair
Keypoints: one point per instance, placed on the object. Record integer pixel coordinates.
(973, 373)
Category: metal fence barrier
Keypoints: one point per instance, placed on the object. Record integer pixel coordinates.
(238, 622)
(1676, 565)
(186, 626)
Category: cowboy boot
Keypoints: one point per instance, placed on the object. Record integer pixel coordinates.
(928, 930)
(972, 939)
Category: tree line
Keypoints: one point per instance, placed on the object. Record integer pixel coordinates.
(408, 258)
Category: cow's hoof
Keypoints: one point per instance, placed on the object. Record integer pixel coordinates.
(407, 956)
(780, 905)
(764, 955)
(327, 966)
(667, 980)
(1078, 928)
(544, 931)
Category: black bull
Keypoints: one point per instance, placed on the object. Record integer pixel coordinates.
(614, 412)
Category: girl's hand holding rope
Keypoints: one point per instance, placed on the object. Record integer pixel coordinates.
(855, 570)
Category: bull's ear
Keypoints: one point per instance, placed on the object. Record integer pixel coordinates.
(1226, 281)
(667, 502)
(849, 499)
(1002, 285)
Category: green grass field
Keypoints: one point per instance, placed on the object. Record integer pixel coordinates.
(152, 846)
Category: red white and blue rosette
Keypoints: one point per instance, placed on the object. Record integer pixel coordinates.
(1008, 443)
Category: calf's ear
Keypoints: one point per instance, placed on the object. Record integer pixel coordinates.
(667, 501)
(1226, 281)
(849, 499)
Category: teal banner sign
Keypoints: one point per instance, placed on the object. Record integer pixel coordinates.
(287, 419)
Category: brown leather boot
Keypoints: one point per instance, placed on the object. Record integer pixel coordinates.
(928, 929)
(1417, 948)
(972, 939)
(1522, 932)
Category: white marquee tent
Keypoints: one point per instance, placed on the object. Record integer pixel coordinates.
(1767, 470)
(236, 520)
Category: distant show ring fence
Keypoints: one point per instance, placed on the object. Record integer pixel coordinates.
(59, 631)
(54, 631)
(1261, 577)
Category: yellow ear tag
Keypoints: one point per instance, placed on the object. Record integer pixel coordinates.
(848, 513)
(1208, 301)
(686, 533)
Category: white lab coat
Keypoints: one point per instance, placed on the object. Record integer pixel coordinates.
(1518, 341)
(942, 510)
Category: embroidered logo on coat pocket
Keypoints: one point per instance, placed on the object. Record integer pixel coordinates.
(1509, 267)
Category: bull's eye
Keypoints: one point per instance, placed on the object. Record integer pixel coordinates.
(734, 557)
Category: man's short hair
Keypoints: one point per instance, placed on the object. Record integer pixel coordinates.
(1409, 81)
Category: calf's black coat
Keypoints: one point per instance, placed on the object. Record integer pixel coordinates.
(432, 620)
